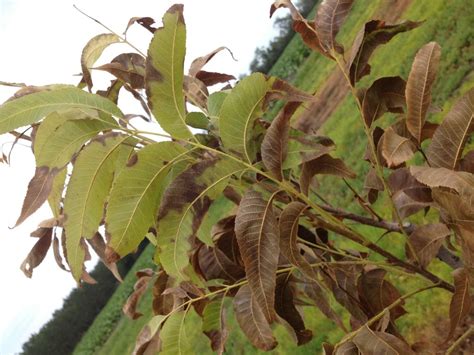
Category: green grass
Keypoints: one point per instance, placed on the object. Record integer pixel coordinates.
(450, 24)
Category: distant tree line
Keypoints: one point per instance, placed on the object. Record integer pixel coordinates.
(60, 335)
(266, 56)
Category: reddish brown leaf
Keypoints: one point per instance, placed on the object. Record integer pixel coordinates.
(57, 254)
(323, 165)
(460, 181)
(162, 303)
(448, 142)
(461, 300)
(146, 22)
(38, 191)
(426, 240)
(306, 30)
(275, 143)
(419, 85)
(257, 234)
(373, 34)
(384, 95)
(286, 309)
(467, 163)
(283, 90)
(370, 342)
(98, 245)
(376, 294)
(36, 255)
(396, 149)
(212, 78)
(373, 184)
(200, 62)
(329, 19)
(289, 222)
(252, 320)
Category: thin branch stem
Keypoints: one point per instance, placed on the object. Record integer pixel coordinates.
(123, 39)
(460, 340)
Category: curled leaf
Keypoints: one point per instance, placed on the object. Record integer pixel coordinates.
(426, 240)
(461, 300)
(37, 254)
(130, 306)
(396, 149)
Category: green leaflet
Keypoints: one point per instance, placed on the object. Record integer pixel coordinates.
(56, 193)
(92, 51)
(165, 74)
(175, 336)
(59, 138)
(136, 194)
(32, 108)
(214, 104)
(238, 114)
(185, 202)
(87, 193)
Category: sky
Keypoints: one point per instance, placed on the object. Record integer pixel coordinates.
(41, 43)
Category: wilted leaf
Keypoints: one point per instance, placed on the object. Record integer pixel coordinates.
(289, 222)
(459, 181)
(32, 108)
(347, 348)
(183, 206)
(57, 254)
(238, 114)
(146, 22)
(303, 149)
(373, 184)
(136, 194)
(370, 342)
(37, 254)
(275, 143)
(211, 78)
(165, 74)
(329, 19)
(373, 34)
(283, 90)
(426, 240)
(252, 321)
(286, 309)
(196, 92)
(461, 300)
(323, 165)
(214, 324)
(396, 149)
(92, 51)
(127, 67)
(88, 190)
(376, 294)
(384, 95)
(130, 306)
(419, 85)
(148, 341)
(37, 192)
(98, 245)
(200, 62)
(257, 235)
(449, 139)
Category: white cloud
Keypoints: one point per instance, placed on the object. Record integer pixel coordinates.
(41, 42)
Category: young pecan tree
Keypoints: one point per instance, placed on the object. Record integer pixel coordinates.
(231, 200)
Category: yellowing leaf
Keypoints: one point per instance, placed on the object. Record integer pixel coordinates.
(92, 51)
(238, 114)
(165, 74)
(136, 194)
(32, 108)
(87, 192)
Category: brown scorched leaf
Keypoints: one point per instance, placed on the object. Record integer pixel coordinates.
(460, 181)
(38, 191)
(130, 306)
(329, 19)
(396, 149)
(37, 254)
(419, 85)
(370, 342)
(449, 139)
(461, 300)
(252, 320)
(323, 165)
(426, 240)
(257, 234)
(146, 22)
(200, 62)
(275, 143)
(373, 34)
(212, 78)
(98, 245)
(127, 67)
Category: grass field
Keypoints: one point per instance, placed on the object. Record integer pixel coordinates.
(448, 23)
